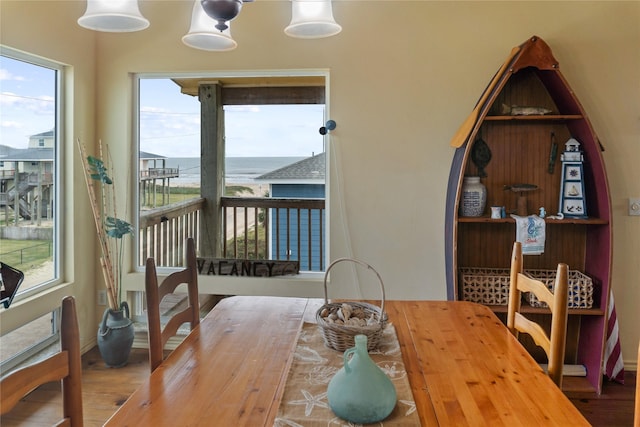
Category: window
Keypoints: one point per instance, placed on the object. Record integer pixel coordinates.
(261, 130)
(29, 185)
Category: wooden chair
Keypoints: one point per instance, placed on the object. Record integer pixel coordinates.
(65, 365)
(636, 413)
(158, 336)
(554, 345)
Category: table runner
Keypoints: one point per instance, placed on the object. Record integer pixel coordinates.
(304, 402)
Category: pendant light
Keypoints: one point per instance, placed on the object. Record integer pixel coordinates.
(115, 16)
(203, 33)
(222, 11)
(312, 19)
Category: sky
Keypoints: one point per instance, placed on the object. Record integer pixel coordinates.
(170, 125)
(169, 120)
(27, 101)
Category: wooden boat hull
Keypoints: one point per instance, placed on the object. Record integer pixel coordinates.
(532, 65)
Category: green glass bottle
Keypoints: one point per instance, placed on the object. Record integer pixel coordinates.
(360, 392)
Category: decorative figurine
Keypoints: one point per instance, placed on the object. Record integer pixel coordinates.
(572, 197)
(481, 156)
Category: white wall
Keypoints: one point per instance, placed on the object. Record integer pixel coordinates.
(403, 76)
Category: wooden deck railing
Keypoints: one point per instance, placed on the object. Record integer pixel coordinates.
(164, 230)
(31, 178)
(286, 229)
(154, 173)
(7, 173)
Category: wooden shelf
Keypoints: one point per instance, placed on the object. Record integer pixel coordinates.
(547, 117)
(519, 149)
(538, 310)
(487, 219)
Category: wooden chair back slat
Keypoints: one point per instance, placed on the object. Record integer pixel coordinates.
(64, 365)
(636, 413)
(554, 343)
(159, 336)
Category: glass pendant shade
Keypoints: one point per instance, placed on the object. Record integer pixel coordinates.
(203, 34)
(312, 19)
(115, 16)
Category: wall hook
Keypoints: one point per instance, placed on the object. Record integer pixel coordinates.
(329, 126)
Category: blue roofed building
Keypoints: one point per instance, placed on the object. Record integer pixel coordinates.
(304, 179)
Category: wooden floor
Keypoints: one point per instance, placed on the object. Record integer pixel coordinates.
(105, 389)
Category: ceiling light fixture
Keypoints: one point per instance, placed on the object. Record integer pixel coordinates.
(115, 16)
(210, 20)
(203, 35)
(312, 19)
(222, 10)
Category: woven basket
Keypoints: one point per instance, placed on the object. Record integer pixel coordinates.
(485, 285)
(580, 288)
(491, 286)
(340, 336)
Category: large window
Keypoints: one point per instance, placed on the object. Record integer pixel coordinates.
(29, 183)
(260, 144)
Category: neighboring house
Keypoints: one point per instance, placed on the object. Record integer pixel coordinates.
(33, 167)
(37, 158)
(304, 179)
(42, 140)
(151, 164)
(28, 174)
(154, 178)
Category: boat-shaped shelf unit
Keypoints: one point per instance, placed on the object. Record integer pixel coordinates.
(522, 151)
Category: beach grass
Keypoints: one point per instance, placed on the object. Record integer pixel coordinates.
(26, 254)
(183, 193)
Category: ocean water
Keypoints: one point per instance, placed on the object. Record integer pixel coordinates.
(238, 169)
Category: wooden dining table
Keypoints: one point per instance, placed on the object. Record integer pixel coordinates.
(464, 368)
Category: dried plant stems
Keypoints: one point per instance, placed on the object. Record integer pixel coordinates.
(115, 267)
(105, 260)
(117, 244)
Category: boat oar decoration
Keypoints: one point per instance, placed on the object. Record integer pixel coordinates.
(465, 129)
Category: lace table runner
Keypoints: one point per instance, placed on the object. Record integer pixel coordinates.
(304, 402)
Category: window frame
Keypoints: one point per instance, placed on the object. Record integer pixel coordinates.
(238, 93)
(58, 224)
(43, 289)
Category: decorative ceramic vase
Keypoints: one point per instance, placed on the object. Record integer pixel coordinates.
(360, 392)
(115, 336)
(474, 197)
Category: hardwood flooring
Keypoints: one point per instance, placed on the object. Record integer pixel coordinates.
(613, 408)
(105, 389)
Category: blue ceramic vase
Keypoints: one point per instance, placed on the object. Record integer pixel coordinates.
(115, 336)
(360, 392)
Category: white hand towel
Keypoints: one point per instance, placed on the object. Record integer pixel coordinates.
(530, 232)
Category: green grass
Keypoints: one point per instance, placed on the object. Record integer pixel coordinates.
(25, 254)
(251, 240)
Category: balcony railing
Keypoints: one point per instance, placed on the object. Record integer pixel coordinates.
(253, 228)
(7, 174)
(286, 229)
(164, 230)
(155, 173)
(31, 178)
